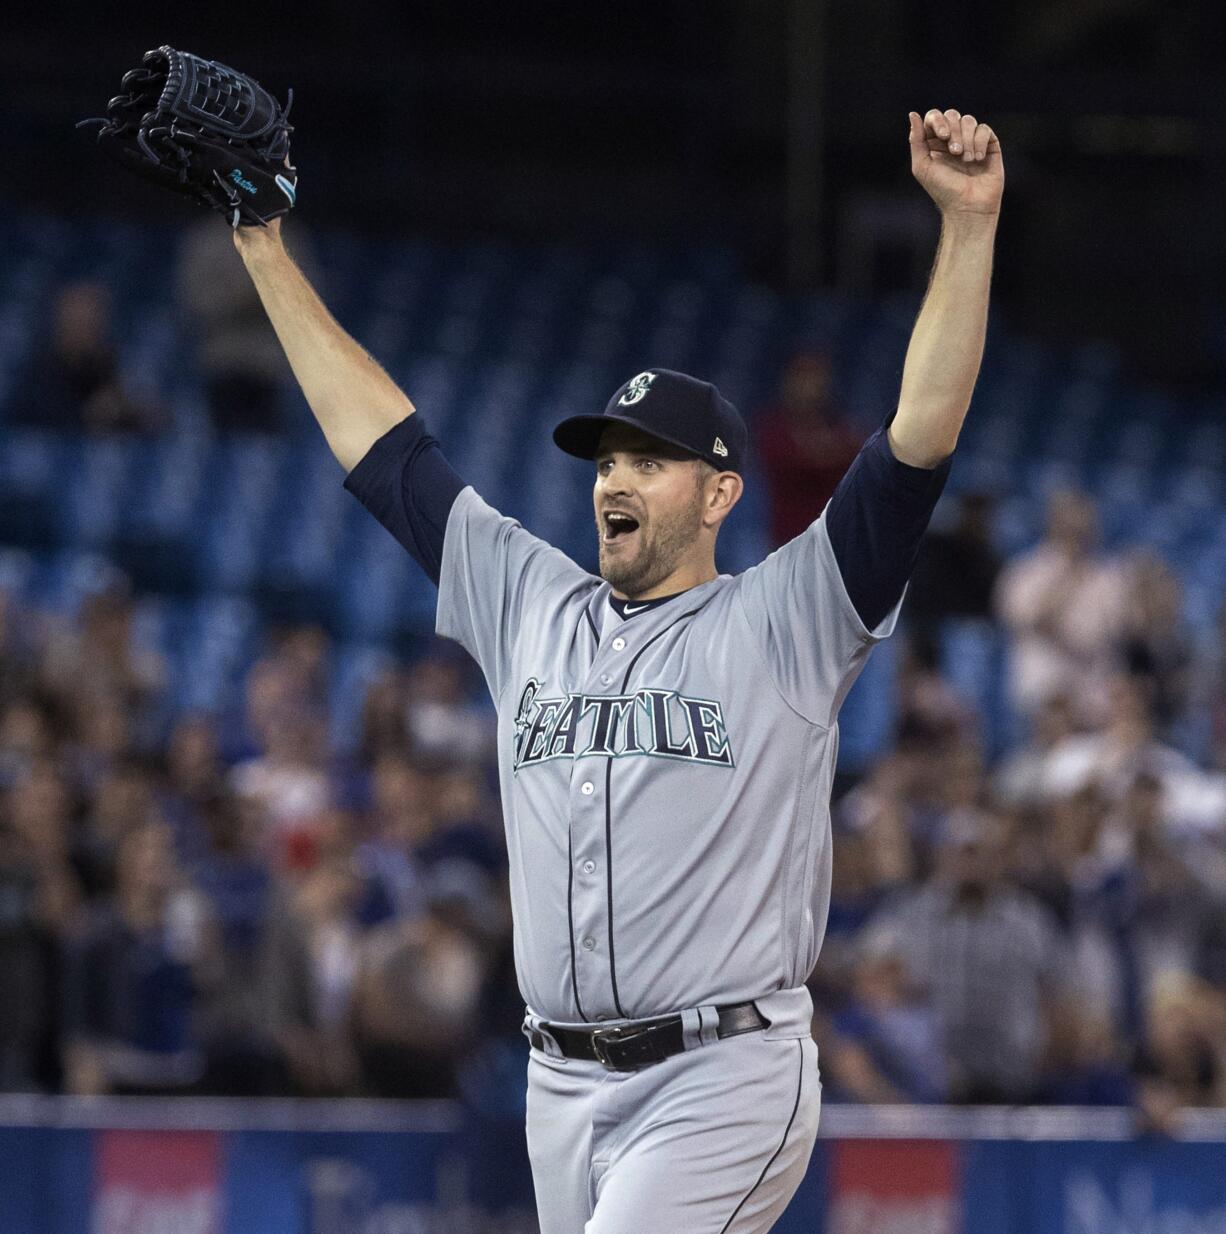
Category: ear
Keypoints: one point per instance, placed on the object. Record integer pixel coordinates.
(724, 490)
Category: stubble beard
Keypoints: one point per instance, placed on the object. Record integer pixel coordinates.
(657, 556)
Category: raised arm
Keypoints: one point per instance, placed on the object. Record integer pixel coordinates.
(958, 162)
(353, 399)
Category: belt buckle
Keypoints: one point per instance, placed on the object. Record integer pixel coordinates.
(600, 1038)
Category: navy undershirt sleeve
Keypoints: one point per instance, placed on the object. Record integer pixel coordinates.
(405, 481)
(876, 519)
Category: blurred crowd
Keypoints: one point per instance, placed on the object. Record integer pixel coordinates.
(225, 904)
(75, 377)
(224, 907)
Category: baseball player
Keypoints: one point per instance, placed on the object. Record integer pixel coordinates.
(667, 735)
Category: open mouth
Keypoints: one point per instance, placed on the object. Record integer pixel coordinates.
(618, 526)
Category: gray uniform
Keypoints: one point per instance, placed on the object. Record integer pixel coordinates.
(665, 787)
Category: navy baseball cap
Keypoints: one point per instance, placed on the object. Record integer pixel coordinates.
(675, 408)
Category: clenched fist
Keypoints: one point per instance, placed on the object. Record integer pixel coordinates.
(958, 161)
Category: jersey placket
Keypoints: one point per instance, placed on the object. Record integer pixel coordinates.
(592, 884)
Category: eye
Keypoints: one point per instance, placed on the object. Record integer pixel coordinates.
(648, 464)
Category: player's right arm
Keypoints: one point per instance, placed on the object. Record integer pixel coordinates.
(487, 567)
(396, 469)
(351, 396)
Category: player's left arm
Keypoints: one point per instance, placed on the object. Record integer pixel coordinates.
(880, 511)
(958, 162)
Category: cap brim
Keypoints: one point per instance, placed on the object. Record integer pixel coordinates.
(580, 435)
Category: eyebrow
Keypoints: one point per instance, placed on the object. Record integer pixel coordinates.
(660, 450)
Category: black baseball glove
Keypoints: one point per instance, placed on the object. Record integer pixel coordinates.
(206, 131)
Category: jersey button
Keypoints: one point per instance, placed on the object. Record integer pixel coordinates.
(589, 944)
(589, 867)
(605, 679)
(619, 643)
(587, 788)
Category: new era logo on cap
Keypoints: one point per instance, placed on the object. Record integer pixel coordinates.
(720, 448)
(637, 388)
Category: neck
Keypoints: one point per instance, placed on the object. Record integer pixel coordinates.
(681, 579)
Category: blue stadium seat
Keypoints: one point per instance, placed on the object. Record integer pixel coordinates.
(72, 575)
(972, 660)
(215, 644)
(1018, 524)
(96, 489)
(17, 571)
(244, 479)
(34, 478)
(356, 666)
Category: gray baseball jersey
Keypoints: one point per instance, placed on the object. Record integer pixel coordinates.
(665, 776)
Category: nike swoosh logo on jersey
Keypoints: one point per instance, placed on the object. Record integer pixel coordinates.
(637, 609)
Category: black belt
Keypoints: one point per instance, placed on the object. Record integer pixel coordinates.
(631, 1046)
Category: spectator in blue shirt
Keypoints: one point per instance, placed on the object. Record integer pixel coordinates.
(886, 1044)
(134, 974)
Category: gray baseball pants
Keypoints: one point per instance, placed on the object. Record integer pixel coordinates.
(711, 1141)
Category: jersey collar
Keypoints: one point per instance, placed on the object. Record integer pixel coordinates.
(626, 609)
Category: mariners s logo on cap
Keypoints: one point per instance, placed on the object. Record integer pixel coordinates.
(637, 388)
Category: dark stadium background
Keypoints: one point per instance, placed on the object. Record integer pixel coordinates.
(755, 123)
(728, 162)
